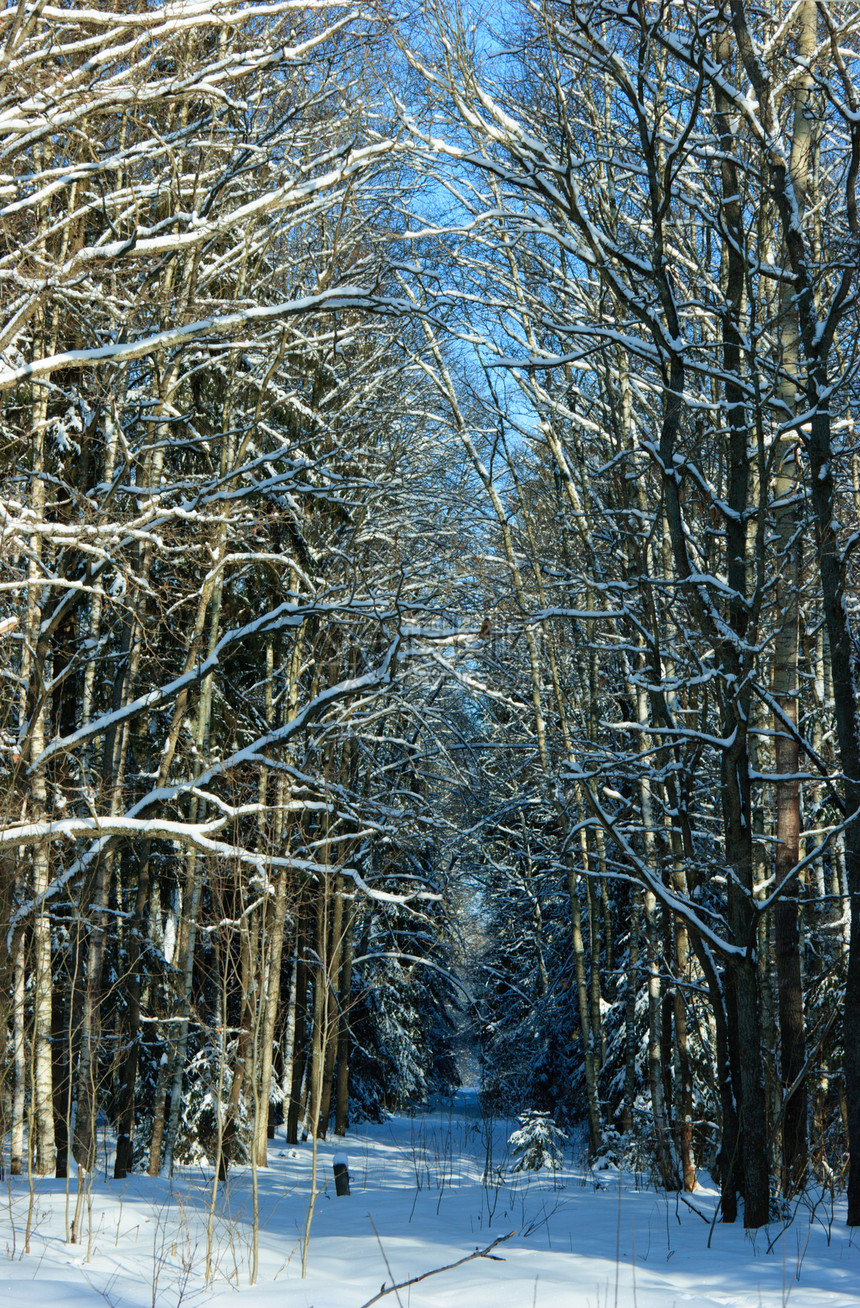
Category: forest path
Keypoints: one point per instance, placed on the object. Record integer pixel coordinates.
(420, 1201)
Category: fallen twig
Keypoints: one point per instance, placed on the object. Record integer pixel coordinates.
(413, 1280)
(696, 1210)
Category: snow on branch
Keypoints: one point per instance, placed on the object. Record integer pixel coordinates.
(345, 297)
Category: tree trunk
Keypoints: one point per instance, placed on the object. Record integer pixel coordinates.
(19, 1085)
(341, 1117)
(274, 934)
(630, 1038)
(666, 1164)
(332, 1006)
(84, 1144)
(128, 1076)
(301, 1029)
(792, 1027)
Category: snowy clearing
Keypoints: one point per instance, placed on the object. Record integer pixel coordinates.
(418, 1202)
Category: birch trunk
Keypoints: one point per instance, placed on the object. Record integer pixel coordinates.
(19, 1085)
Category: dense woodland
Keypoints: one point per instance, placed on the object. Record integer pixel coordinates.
(428, 613)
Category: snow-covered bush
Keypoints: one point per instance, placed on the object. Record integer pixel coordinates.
(205, 1103)
(618, 1151)
(538, 1143)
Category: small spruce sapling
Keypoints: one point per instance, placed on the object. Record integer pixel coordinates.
(538, 1143)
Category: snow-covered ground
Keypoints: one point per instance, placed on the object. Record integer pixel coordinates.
(418, 1202)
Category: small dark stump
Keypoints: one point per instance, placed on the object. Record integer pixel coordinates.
(341, 1177)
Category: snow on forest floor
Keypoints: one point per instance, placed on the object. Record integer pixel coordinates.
(418, 1202)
